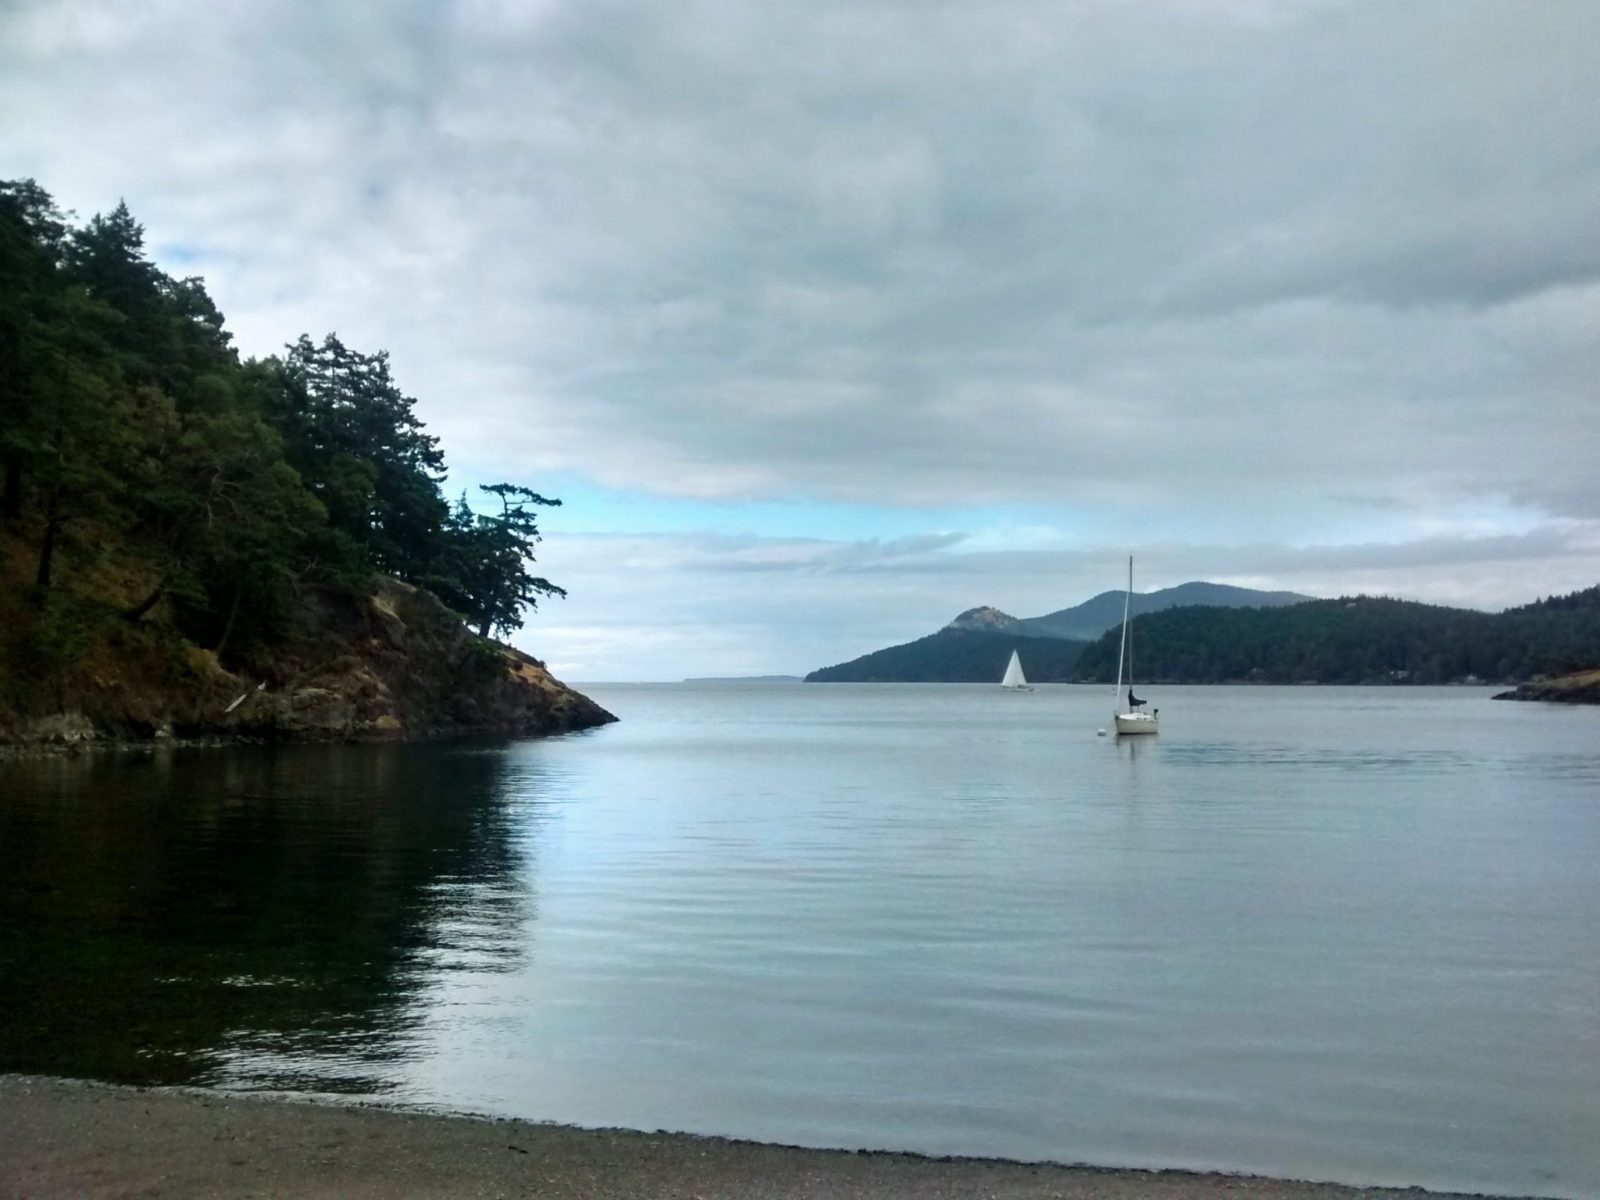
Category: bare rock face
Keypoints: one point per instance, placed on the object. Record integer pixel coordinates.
(61, 729)
(986, 620)
(1581, 687)
(397, 665)
(403, 666)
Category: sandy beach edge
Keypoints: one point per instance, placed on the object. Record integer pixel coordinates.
(63, 1138)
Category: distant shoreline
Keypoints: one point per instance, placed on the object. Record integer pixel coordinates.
(1175, 684)
(61, 1138)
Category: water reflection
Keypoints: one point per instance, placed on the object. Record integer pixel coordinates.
(1293, 935)
(262, 918)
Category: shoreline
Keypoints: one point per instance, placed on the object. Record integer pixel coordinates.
(61, 1138)
(1577, 687)
(44, 748)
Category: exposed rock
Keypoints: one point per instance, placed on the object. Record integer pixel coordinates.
(398, 666)
(1581, 687)
(62, 729)
(986, 620)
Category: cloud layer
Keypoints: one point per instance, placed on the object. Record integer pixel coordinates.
(1251, 277)
(720, 604)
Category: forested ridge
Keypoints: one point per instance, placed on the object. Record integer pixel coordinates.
(958, 656)
(1352, 640)
(1356, 639)
(164, 496)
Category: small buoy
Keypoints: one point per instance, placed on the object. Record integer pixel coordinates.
(1099, 733)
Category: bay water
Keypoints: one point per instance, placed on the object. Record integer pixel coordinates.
(1325, 933)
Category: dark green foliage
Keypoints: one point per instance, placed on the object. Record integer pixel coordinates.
(1587, 600)
(151, 476)
(32, 232)
(64, 414)
(1359, 639)
(106, 258)
(484, 662)
(958, 656)
(483, 569)
(46, 645)
(353, 435)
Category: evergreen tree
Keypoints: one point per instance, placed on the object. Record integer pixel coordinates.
(106, 257)
(353, 434)
(484, 572)
(132, 436)
(76, 436)
(32, 234)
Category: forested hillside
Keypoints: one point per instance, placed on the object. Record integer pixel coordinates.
(1356, 640)
(1087, 621)
(172, 509)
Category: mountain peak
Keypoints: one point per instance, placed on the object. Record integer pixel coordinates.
(984, 619)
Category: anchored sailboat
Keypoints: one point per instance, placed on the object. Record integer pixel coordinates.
(1014, 680)
(1126, 715)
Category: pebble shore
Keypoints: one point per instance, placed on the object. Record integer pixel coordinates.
(61, 1138)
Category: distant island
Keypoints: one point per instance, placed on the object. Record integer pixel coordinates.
(958, 656)
(1283, 639)
(199, 546)
(975, 646)
(1087, 621)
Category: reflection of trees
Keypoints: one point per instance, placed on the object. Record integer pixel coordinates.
(280, 908)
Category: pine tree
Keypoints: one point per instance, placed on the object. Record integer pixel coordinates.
(484, 573)
(351, 431)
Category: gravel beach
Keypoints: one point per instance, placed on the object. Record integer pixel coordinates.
(61, 1138)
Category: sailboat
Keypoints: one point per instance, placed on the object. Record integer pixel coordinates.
(1014, 680)
(1125, 715)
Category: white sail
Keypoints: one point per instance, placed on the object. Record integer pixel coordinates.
(1014, 677)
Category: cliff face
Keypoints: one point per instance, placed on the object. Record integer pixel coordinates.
(398, 665)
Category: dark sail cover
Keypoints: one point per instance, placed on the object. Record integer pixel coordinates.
(1133, 701)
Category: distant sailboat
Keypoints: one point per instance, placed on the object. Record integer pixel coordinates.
(1126, 715)
(1014, 680)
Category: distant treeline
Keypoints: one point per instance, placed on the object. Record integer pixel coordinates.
(959, 656)
(151, 474)
(1352, 640)
(1358, 639)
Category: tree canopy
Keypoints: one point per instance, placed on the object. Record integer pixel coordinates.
(1356, 639)
(136, 445)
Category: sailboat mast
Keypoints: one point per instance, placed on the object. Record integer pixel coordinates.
(1122, 650)
(1125, 631)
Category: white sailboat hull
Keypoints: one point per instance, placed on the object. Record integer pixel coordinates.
(1129, 720)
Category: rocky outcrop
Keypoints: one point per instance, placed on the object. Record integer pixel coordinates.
(1581, 687)
(398, 665)
(986, 620)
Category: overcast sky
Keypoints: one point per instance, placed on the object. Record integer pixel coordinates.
(828, 320)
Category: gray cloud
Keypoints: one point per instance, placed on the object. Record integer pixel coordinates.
(729, 605)
(1319, 272)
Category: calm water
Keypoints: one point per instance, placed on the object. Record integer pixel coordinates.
(1329, 933)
